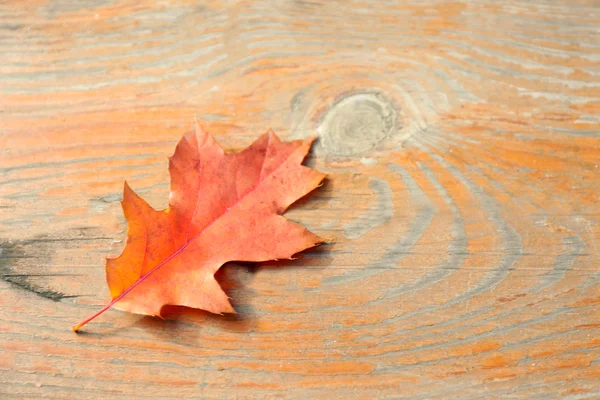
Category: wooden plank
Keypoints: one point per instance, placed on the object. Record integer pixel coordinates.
(462, 144)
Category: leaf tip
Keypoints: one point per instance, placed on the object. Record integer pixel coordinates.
(321, 241)
(309, 140)
(127, 191)
(201, 135)
(272, 134)
(198, 128)
(322, 178)
(228, 308)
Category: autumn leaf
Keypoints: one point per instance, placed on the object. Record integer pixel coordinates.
(222, 207)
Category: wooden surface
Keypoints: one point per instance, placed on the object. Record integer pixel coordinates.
(462, 145)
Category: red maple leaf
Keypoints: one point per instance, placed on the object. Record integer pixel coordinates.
(222, 207)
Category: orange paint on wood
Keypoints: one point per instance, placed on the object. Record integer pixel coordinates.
(461, 206)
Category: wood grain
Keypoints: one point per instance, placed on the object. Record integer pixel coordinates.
(462, 143)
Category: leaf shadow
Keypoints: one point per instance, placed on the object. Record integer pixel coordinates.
(234, 277)
(187, 323)
(315, 258)
(180, 319)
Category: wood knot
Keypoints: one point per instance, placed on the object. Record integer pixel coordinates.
(356, 123)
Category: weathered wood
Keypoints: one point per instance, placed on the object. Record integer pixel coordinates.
(462, 142)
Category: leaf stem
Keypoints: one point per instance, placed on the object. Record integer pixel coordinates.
(76, 327)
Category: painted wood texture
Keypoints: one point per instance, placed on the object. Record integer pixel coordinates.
(462, 145)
